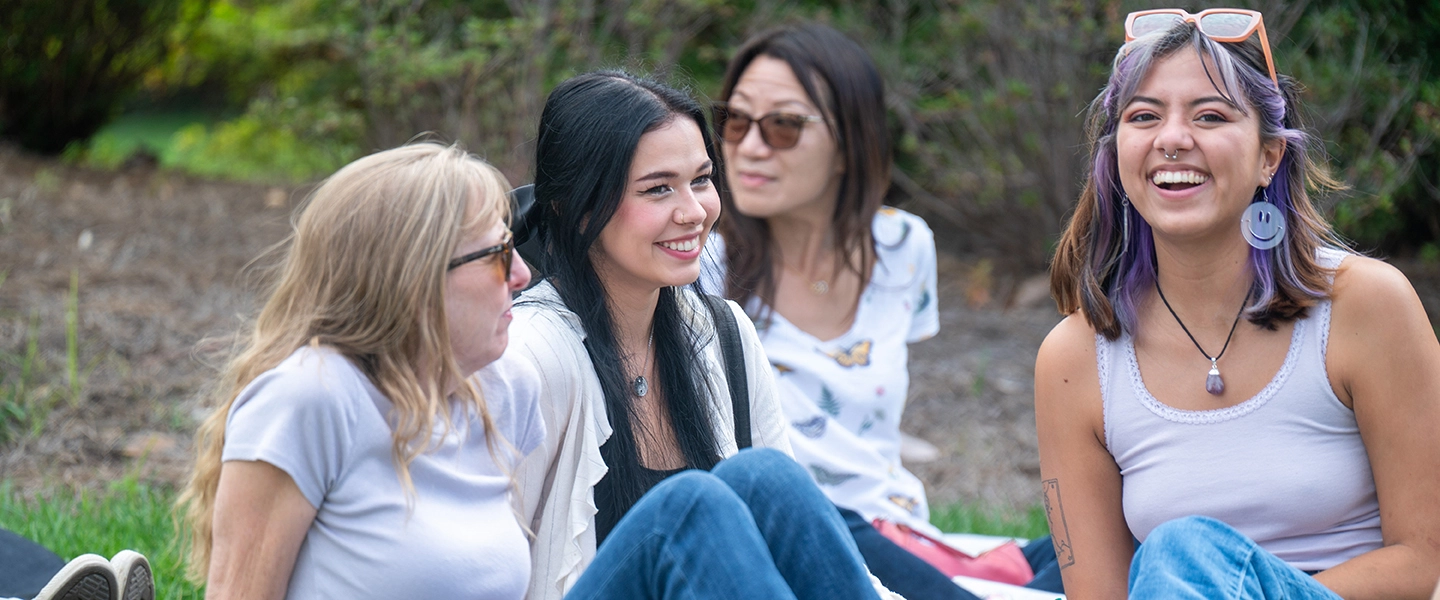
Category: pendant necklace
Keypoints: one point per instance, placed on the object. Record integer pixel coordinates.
(1213, 383)
(819, 287)
(639, 385)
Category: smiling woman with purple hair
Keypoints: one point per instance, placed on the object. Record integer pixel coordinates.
(1232, 388)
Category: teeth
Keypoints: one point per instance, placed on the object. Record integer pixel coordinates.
(681, 246)
(1178, 177)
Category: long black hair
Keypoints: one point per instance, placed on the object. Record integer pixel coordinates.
(589, 130)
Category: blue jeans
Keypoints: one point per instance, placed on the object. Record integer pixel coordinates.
(753, 527)
(1202, 558)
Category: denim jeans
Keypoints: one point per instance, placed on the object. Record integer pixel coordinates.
(754, 527)
(1204, 559)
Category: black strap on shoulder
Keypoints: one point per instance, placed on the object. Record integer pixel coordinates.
(729, 333)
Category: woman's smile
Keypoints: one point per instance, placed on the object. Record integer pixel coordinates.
(686, 248)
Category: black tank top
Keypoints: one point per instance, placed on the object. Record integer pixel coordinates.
(611, 508)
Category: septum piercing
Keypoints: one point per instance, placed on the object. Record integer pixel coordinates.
(1174, 156)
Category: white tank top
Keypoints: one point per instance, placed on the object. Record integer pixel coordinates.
(1287, 467)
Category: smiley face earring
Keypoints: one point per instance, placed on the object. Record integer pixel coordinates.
(1263, 224)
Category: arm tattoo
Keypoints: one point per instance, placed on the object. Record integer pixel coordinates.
(1059, 531)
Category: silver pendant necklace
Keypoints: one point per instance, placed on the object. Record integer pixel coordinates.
(640, 385)
(1213, 383)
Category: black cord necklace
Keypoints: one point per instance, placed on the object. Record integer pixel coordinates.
(1213, 383)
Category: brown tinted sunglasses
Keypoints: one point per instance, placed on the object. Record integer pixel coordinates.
(506, 250)
(779, 130)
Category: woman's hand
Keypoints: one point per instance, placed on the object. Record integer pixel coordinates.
(260, 520)
(1384, 362)
(1081, 480)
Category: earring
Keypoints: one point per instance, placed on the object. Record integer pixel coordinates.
(1263, 224)
(1124, 223)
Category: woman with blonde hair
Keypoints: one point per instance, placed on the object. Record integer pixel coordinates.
(351, 453)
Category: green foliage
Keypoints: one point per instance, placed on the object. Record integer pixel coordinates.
(1378, 111)
(127, 515)
(986, 96)
(268, 143)
(150, 133)
(65, 67)
(325, 80)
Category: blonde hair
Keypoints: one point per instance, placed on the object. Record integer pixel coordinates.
(364, 274)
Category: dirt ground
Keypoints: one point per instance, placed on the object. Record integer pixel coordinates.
(158, 259)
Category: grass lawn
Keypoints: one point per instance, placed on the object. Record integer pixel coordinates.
(137, 516)
(127, 515)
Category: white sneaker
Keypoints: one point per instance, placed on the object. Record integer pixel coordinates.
(132, 571)
(88, 577)
(916, 450)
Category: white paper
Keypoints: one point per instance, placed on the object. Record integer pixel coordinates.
(975, 544)
(994, 590)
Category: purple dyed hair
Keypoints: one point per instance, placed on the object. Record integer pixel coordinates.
(1093, 272)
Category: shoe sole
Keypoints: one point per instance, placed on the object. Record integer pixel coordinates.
(88, 577)
(134, 575)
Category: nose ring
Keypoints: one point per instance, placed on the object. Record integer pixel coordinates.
(1174, 156)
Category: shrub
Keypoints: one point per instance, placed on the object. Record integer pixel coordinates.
(65, 67)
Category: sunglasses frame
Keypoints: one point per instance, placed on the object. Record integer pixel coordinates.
(722, 113)
(1257, 23)
(506, 250)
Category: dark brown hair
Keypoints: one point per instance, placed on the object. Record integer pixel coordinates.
(1106, 271)
(839, 77)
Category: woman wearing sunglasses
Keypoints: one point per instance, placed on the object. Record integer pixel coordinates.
(351, 454)
(1232, 387)
(837, 284)
(633, 385)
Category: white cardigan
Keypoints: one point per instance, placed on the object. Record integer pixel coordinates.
(557, 480)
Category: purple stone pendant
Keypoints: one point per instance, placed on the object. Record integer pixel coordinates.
(1213, 383)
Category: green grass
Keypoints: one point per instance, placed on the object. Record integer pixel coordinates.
(969, 518)
(128, 514)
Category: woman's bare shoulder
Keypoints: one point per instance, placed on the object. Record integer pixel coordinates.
(1370, 293)
(1065, 368)
(1070, 342)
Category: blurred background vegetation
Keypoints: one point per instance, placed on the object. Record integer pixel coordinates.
(985, 96)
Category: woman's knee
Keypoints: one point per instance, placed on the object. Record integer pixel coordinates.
(690, 486)
(760, 467)
(689, 500)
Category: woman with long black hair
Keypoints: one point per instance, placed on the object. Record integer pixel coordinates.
(634, 383)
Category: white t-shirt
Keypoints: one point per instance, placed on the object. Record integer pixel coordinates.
(843, 397)
(319, 419)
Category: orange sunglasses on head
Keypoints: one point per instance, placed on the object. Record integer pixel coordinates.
(1220, 24)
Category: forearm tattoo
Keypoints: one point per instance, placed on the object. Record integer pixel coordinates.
(1059, 531)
